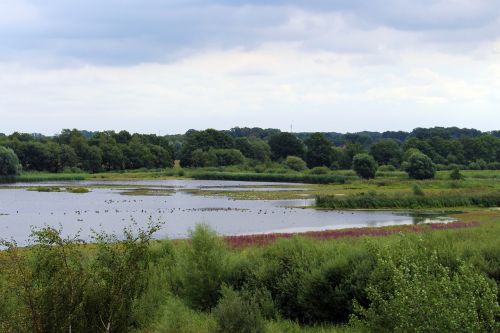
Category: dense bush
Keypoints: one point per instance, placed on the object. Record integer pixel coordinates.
(455, 174)
(433, 281)
(57, 287)
(320, 170)
(412, 291)
(420, 166)
(364, 165)
(237, 312)
(9, 163)
(386, 168)
(295, 163)
(202, 269)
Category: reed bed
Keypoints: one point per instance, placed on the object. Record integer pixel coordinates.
(382, 201)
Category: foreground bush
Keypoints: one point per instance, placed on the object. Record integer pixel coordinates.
(412, 291)
(202, 269)
(56, 287)
(237, 313)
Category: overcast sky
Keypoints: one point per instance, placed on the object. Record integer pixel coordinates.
(159, 66)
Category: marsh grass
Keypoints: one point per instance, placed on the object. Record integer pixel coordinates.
(373, 200)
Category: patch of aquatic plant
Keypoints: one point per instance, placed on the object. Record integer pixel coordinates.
(77, 190)
(148, 192)
(44, 189)
(372, 200)
(273, 177)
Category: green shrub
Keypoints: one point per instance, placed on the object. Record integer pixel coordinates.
(295, 163)
(321, 170)
(328, 291)
(420, 166)
(237, 313)
(455, 174)
(417, 190)
(176, 317)
(413, 292)
(364, 165)
(202, 268)
(386, 168)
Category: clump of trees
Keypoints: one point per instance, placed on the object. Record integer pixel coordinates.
(364, 165)
(100, 151)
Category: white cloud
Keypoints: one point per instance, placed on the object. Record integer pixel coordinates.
(313, 90)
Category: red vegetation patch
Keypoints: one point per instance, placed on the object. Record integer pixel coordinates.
(264, 239)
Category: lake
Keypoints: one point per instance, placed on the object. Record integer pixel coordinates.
(106, 208)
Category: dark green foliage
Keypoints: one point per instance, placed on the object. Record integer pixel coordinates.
(285, 144)
(364, 165)
(375, 201)
(9, 163)
(227, 156)
(274, 177)
(295, 163)
(253, 148)
(238, 312)
(319, 151)
(203, 141)
(386, 151)
(347, 156)
(420, 166)
(329, 290)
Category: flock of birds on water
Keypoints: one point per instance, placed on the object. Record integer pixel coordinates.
(161, 211)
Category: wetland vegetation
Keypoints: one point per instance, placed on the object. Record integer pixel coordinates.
(274, 266)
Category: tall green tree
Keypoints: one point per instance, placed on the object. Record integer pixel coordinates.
(285, 144)
(319, 151)
(386, 151)
(9, 163)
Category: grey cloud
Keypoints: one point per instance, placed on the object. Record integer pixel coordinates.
(134, 31)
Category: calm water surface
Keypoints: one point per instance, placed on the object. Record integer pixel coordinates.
(107, 209)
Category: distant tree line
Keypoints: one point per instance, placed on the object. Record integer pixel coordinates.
(446, 148)
(72, 149)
